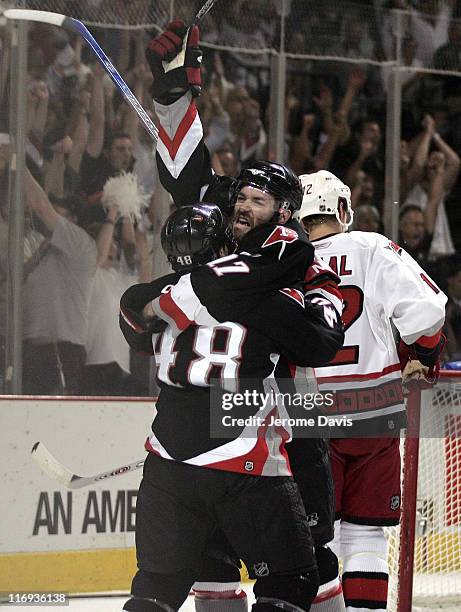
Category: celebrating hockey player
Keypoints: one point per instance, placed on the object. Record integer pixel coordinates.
(380, 283)
(185, 171)
(195, 484)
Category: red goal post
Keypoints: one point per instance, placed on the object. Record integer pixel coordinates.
(425, 550)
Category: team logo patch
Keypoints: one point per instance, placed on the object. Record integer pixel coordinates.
(249, 466)
(393, 246)
(395, 502)
(261, 569)
(313, 519)
(280, 234)
(294, 294)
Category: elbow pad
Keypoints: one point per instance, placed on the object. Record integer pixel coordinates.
(136, 329)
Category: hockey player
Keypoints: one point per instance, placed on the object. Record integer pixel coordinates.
(192, 482)
(185, 171)
(380, 283)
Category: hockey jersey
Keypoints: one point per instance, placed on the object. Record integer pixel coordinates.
(228, 334)
(380, 283)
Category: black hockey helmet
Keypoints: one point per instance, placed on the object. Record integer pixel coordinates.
(193, 235)
(276, 179)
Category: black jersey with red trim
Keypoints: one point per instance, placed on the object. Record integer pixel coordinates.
(183, 159)
(229, 334)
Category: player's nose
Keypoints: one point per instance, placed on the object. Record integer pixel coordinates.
(244, 205)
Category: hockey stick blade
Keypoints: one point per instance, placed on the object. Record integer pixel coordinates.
(55, 470)
(77, 26)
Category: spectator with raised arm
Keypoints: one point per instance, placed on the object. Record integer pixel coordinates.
(335, 127)
(413, 235)
(56, 298)
(107, 363)
(300, 155)
(429, 26)
(433, 175)
(240, 29)
(362, 152)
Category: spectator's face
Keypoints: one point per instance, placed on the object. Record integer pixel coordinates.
(366, 219)
(409, 49)
(372, 132)
(368, 189)
(354, 32)
(121, 153)
(412, 228)
(228, 162)
(235, 101)
(454, 285)
(252, 208)
(297, 43)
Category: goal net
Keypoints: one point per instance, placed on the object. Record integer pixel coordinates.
(431, 498)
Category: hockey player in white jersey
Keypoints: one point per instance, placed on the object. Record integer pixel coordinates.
(380, 283)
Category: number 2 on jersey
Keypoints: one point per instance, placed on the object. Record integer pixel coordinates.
(353, 308)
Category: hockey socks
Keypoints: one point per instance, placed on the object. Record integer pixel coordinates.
(365, 572)
(208, 598)
(329, 598)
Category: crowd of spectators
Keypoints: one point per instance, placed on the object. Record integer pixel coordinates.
(80, 252)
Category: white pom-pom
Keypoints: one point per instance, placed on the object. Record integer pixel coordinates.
(125, 191)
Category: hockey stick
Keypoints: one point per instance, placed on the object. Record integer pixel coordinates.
(206, 8)
(77, 26)
(52, 468)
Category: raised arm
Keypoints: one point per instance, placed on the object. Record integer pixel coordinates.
(436, 190)
(182, 157)
(452, 161)
(105, 235)
(38, 201)
(418, 163)
(95, 140)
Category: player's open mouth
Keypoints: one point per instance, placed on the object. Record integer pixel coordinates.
(242, 221)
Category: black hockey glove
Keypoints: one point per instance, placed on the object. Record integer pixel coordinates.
(174, 58)
(136, 329)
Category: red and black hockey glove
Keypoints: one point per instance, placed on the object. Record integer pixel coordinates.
(420, 361)
(136, 329)
(174, 58)
(321, 278)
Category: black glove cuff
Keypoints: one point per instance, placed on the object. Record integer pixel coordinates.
(429, 356)
(137, 297)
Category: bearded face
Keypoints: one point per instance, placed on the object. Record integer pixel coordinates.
(252, 208)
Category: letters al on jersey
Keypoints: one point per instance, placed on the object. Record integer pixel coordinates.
(379, 281)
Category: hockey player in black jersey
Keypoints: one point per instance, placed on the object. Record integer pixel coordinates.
(185, 171)
(272, 254)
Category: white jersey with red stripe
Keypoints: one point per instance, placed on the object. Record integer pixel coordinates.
(380, 283)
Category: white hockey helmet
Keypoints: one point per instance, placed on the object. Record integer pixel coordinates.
(323, 194)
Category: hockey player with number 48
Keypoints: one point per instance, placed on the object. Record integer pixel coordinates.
(237, 329)
(262, 192)
(380, 283)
